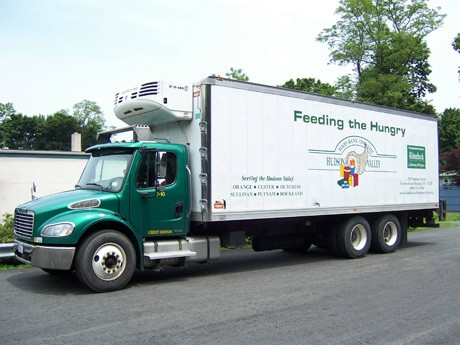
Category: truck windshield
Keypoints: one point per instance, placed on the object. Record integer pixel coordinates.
(106, 170)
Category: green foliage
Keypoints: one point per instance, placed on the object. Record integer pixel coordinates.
(12, 265)
(57, 131)
(384, 41)
(344, 88)
(6, 228)
(449, 141)
(90, 120)
(21, 132)
(7, 236)
(347, 39)
(456, 43)
(383, 89)
(453, 217)
(456, 46)
(449, 130)
(52, 132)
(310, 85)
(37, 132)
(450, 162)
(237, 74)
(6, 109)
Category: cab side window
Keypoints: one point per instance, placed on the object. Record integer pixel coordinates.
(147, 168)
(171, 169)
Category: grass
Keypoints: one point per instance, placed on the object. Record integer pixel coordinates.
(4, 267)
(452, 219)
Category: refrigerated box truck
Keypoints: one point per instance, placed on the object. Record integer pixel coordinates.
(221, 161)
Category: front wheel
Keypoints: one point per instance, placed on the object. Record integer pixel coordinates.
(354, 237)
(105, 261)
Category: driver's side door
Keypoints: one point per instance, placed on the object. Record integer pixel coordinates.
(159, 211)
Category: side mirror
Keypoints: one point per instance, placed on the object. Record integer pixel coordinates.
(160, 185)
(33, 190)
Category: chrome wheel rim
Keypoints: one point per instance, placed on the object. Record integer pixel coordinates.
(390, 233)
(358, 237)
(109, 261)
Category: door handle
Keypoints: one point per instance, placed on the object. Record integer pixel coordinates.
(147, 196)
(179, 209)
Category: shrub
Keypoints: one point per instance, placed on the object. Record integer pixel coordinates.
(6, 228)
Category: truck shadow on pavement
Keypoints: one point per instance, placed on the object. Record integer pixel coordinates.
(246, 260)
(232, 261)
(36, 281)
(235, 261)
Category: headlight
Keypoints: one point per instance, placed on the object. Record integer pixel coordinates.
(58, 230)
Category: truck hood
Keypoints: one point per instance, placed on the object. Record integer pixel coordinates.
(47, 207)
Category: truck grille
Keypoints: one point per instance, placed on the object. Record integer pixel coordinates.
(23, 223)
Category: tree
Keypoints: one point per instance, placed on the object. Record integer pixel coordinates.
(90, 121)
(237, 74)
(6, 109)
(384, 41)
(450, 162)
(345, 88)
(456, 43)
(57, 130)
(52, 132)
(21, 132)
(449, 130)
(456, 46)
(383, 89)
(310, 85)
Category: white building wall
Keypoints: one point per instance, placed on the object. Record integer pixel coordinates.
(52, 172)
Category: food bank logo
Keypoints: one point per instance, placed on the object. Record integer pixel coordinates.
(355, 166)
(349, 160)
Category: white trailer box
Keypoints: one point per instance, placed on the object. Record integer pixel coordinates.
(264, 152)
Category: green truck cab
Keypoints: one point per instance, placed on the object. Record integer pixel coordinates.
(131, 198)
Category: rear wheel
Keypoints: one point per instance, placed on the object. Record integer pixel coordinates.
(331, 240)
(105, 261)
(386, 234)
(354, 237)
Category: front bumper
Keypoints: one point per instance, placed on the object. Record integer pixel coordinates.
(54, 258)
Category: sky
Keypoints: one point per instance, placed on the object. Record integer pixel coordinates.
(57, 53)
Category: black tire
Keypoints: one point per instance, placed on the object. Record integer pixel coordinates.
(354, 237)
(105, 261)
(386, 234)
(331, 240)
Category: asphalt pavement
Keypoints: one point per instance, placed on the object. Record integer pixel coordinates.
(411, 296)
